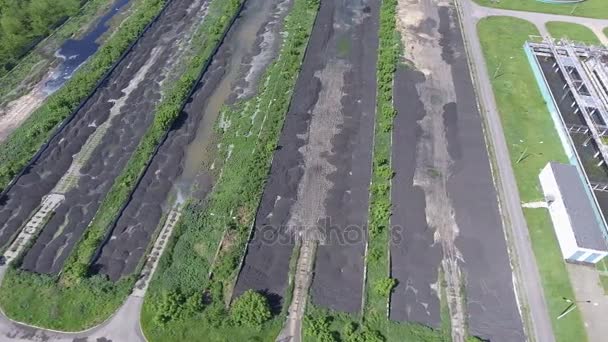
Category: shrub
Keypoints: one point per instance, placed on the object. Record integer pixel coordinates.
(251, 309)
(384, 286)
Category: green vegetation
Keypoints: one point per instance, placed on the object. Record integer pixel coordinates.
(606, 32)
(94, 298)
(41, 301)
(325, 325)
(590, 8)
(383, 287)
(528, 126)
(34, 65)
(382, 173)
(24, 22)
(576, 32)
(247, 141)
(250, 310)
(25, 141)
(604, 283)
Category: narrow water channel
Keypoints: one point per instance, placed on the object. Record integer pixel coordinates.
(74, 52)
(243, 68)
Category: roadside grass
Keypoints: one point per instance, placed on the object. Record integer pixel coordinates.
(76, 300)
(32, 66)
(604, 283)
(533, 140)
(606, 32)
(590, 8)
(575, 32)
(41, 301)
(26, 140)
(246, 145)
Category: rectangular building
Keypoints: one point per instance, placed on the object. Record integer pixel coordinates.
(576, 222)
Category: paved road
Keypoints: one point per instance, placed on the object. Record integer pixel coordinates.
(526, 271)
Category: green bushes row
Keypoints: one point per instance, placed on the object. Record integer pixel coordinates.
(378, 285)
(167, 111)
(26, 140)
(248, 143)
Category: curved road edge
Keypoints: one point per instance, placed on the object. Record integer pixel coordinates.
(116, 327)
(527, 282)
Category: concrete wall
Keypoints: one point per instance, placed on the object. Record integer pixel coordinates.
(557, 210)
(561, 222)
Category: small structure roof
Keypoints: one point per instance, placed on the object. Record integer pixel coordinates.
(579, 207)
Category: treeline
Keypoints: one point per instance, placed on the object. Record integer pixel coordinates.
(26, 140)
(24, 22)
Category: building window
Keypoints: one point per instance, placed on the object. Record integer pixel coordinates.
(576, 255)
(592, 257)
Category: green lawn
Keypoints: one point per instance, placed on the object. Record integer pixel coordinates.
(528, 126)
(576, 32)
(590, 8)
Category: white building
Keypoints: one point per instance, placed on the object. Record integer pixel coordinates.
(574, 214)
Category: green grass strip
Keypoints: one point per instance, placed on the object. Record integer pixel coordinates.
(575, 32)
(26, 140)
(590, 8)
(382, 173)
(172, 310)
(528, 126)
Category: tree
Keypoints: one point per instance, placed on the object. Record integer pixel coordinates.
(251, 309)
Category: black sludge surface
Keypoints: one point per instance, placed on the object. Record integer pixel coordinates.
(134, 229)
(415, 258)
(320, 175)
(132, 92)
(339, 264)
(491, 304)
